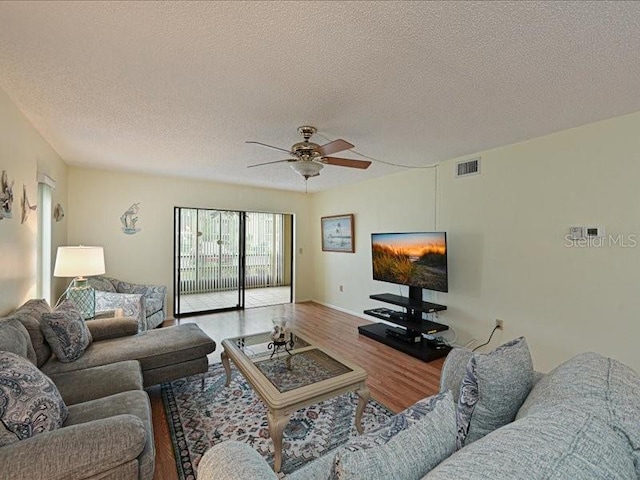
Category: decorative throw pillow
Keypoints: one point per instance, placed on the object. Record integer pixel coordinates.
(453, 371)
(493, 389)
(66, 332)
(407, 447)
(29, 401)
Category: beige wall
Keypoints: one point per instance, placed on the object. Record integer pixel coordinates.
(23, 152)
(508, 257)
(506, 231)
(98, 198)
(396, 203)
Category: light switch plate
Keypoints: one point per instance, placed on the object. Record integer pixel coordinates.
(576, 233)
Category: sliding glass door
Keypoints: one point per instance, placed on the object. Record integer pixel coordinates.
(209, 256)
(226, 260)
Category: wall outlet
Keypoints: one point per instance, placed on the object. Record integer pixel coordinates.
(499, 324)
(342, 288)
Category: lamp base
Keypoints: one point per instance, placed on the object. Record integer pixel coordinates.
(83, 297)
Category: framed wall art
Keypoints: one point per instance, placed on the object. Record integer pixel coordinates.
(129, 219)
(6, 196)
(58, 213)
(337, 233)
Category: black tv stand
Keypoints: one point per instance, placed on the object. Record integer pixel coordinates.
(408, 338)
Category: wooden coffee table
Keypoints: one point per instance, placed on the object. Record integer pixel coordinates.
(292, 378)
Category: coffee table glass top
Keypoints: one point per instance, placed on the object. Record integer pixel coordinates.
(291, 366)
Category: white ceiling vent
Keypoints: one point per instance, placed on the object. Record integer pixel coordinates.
(468, 167)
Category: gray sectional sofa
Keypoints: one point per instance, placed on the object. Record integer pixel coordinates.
(108, 433)
(579, 421)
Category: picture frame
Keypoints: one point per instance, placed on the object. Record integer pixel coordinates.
(337, 233)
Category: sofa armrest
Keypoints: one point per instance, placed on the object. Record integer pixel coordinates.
(234, 461)
(148, 290)
(78, 451)
(98, 382)
(153, 291)
(116, 327)
(157, 292)
(132, 304)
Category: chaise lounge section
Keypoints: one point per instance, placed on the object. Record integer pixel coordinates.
(108, 431)
(164, 354)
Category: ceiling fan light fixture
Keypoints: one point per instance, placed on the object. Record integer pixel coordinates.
(308, 158)
(307, 169)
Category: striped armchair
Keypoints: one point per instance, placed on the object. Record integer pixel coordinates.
(146, 303)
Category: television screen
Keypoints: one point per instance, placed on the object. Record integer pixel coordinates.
(413, 259)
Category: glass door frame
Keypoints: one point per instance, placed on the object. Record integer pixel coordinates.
(177, 229)
(242, 259)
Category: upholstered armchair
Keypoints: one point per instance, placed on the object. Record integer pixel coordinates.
(146, 303)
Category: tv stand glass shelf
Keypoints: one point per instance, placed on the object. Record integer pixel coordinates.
(408, 338)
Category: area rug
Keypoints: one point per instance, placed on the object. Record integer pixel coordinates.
(200, 419)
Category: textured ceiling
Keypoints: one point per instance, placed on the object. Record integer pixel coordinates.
(177, 88)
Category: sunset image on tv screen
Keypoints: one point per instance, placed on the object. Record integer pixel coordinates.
(415, 259)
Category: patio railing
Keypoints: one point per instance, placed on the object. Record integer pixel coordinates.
(209, 258)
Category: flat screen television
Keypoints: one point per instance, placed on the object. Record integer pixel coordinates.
(415, 259)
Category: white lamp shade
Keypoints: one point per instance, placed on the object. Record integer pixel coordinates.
(79, 261)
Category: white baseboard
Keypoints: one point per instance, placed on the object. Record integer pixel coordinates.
(343, 310)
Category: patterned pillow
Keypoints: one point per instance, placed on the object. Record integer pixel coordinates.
(453, 370)
(467, 401)
(29, 401)
(407, 447)
(493, 389)
(66, 332)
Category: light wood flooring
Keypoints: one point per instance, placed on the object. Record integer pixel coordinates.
(395, 379)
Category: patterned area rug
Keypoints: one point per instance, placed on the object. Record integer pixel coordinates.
(200, 419)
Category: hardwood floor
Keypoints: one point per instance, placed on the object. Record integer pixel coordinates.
(395, 379)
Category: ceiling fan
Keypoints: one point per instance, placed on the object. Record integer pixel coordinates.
(309, 158)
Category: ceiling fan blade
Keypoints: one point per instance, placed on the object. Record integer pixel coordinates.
(333, 147)
(346, 162)
(271, 146)
(269, 163)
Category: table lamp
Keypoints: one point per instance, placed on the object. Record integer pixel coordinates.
(80, 262)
